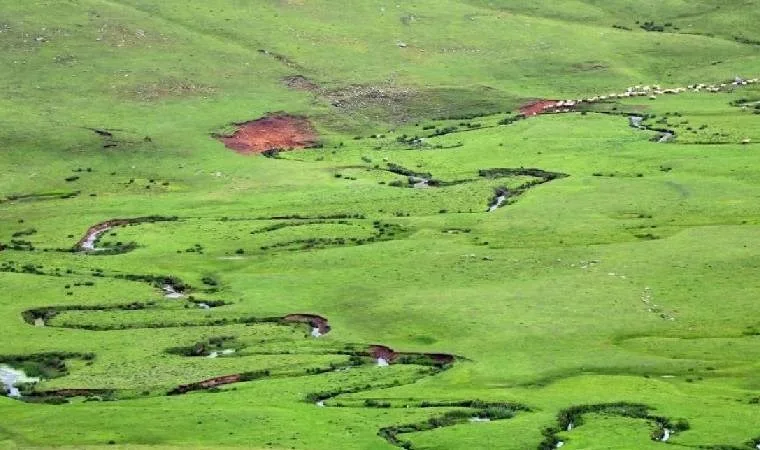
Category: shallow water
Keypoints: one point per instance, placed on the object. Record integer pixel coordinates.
(479, 419)
(226, 351)
(499, 201)
(89, 243)
(10, 378)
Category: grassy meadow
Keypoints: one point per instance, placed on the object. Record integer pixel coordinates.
(610, 303)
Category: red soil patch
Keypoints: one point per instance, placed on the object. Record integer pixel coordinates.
(281, 132)
(538, 107)
(313, 320)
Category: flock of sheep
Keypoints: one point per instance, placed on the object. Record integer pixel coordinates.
(648, 91)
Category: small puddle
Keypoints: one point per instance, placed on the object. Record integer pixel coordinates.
(10, 378)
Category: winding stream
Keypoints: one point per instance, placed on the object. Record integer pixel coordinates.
(499, 201)
(10, 378)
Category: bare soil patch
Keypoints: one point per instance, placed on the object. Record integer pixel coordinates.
(315, 321)
(300, 83)
(275, 132)
(538, 107)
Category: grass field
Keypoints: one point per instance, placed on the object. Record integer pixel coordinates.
(490, 280)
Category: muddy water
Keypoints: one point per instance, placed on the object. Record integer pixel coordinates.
(10, 378)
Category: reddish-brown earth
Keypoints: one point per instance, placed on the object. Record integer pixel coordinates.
(538, 107)
(313, 320)
(388, 354)
(276, 132)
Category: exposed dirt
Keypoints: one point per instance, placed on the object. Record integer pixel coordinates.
(315, 321)
(206, 384)
(300, 83)
(275, 132)
(391, 356)
(77, 392)
(169, 88)
(538, 107)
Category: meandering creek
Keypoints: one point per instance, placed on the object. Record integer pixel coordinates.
(10, 378)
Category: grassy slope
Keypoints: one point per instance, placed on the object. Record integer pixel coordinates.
(536, 326)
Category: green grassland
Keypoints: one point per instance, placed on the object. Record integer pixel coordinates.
(623, 272)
